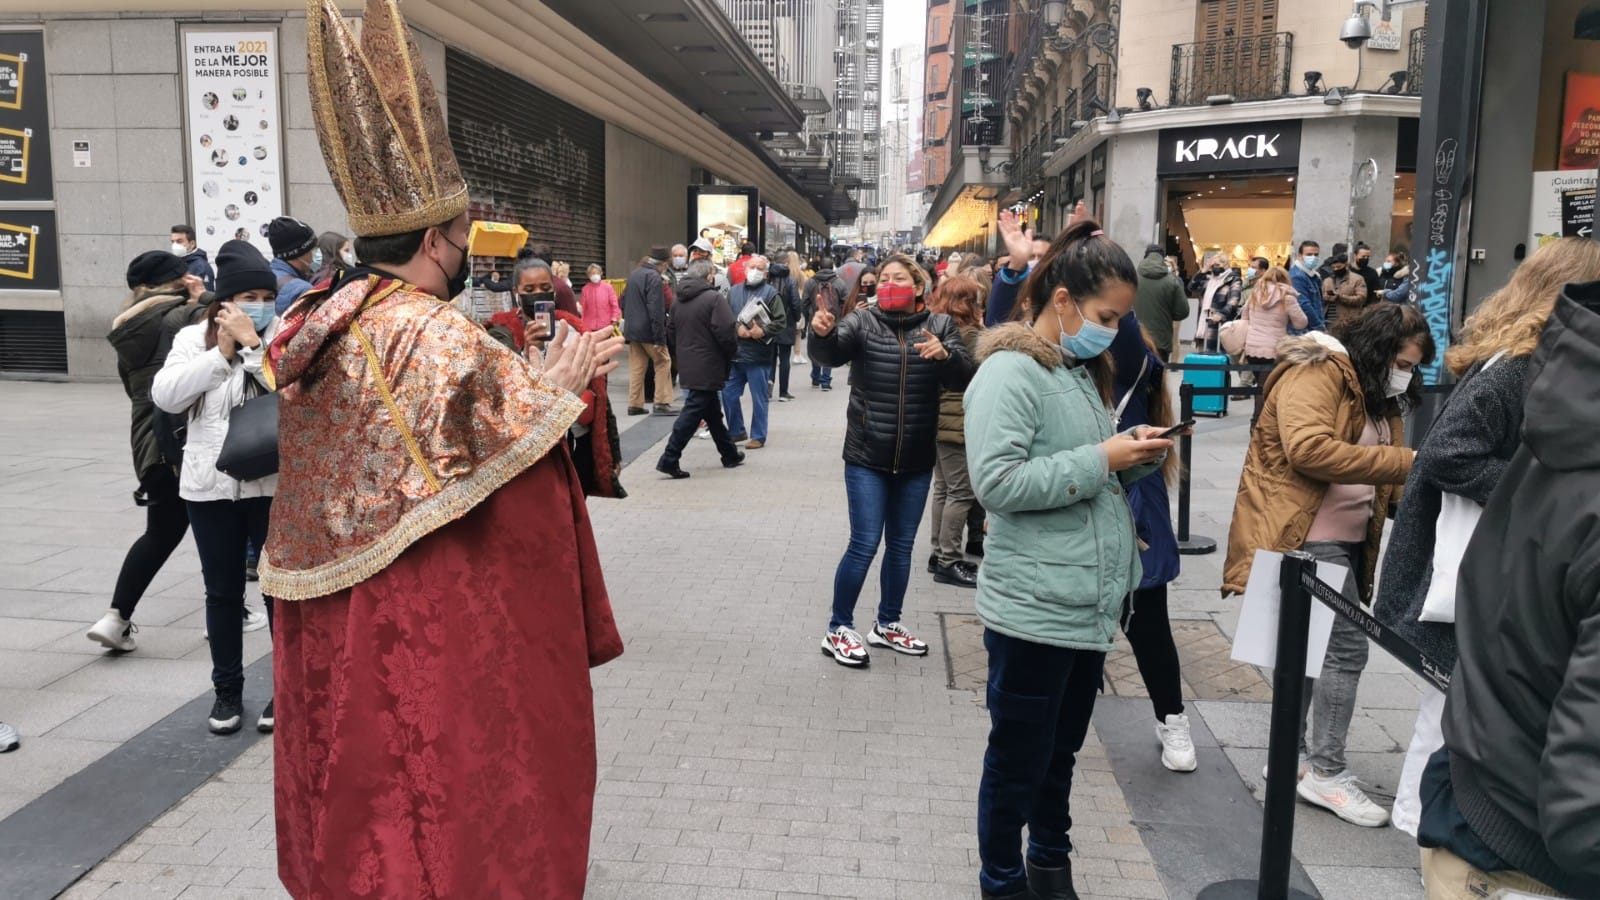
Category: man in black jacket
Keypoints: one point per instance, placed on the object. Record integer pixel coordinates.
(644, 325)
(702, 329)
(1513, 800)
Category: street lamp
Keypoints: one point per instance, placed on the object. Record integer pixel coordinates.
(1054, 11)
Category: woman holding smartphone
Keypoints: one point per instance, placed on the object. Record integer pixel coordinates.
(214, 366)
(1061, 557)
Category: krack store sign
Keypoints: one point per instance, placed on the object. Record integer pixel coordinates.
(1233, 147)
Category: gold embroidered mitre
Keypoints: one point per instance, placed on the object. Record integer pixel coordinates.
(378, 119)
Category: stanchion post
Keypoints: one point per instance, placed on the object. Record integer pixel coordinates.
(1188, 544)
(1283, 745)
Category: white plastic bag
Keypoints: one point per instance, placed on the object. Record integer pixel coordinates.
(1458, 518)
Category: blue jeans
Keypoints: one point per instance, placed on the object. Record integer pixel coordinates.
(821, 375)
(885, 507)
(755, 375)
(1040, 700)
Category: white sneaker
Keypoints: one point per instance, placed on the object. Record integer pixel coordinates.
(897, 638)
(8, 738)
(1340, 795)
(1301, 770)
(1177, 747)
(703, 433)
(113, 632)
(845, 646)
(254, 620)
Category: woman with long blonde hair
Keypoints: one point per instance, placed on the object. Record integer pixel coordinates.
(1463, 456)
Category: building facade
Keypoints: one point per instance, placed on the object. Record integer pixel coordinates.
(576, 118)
(1206, 125)
(938, 72)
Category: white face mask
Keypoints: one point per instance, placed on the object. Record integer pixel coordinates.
(1399, 382)
(349, 257)
(179, 249)
(594, 279)
(755, 276)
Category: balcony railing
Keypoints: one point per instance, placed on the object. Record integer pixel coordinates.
(1096, 86)
(1258, 67)
(1416, 54)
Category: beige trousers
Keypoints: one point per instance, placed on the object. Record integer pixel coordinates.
(640, 358)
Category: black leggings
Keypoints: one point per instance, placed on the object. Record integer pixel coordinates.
(1150, 632)
(780, 368)
(166, 521)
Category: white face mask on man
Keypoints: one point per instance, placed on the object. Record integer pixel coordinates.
(179, 249)
(755, 276)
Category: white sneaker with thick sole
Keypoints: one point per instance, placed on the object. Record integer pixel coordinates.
(113, 632)
(8, 738)
(1300, 772)
(845, 646)
(254, 620)
(897, 638)
(1340, 795)
(1177, 746)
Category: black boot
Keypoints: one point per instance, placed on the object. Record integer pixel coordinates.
(1025, 895)
(1051, 884)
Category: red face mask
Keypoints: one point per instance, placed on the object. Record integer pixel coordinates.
(897, 298)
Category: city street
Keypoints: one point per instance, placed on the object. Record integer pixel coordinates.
(736, 761)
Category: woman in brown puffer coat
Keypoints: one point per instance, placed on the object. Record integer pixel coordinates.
(1324, 470)
(953, 497)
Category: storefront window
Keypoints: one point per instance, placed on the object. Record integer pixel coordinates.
(1240, 217)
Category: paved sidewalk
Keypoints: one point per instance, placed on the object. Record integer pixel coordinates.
(736, 760)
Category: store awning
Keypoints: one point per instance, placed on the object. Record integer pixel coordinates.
(691, 48)
(496, 239)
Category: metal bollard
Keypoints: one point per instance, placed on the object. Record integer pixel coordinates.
(1188, 545)
(1283, 745)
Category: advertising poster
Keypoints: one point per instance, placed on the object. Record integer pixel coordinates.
(28, 257)
(1580, 122)
(234, 137)
(1558, 202)
(24, 119)
(726, 216)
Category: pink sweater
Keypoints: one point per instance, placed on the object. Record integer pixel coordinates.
(600, 307)
(1272, 311)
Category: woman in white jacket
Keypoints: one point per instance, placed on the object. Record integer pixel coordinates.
(214, 366)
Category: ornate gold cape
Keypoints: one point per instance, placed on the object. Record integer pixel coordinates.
(397, 415)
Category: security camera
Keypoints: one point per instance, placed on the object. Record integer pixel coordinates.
(1357, 30)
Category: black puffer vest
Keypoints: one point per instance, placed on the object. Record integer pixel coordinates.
(893, 421)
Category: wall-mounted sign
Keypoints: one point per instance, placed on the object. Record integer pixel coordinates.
(80, 155)
(1385, 35)
(1558, 206)
(1232, 147)
(28, 255)
(1097, 167)
(24, 119)
(234, 150)
(1580, 122)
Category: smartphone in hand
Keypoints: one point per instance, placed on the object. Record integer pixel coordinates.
(1173, 432)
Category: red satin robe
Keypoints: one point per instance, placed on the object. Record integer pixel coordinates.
(435, 723)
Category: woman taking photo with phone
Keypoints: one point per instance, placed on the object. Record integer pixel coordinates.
(1325, 465)
(901, 356)
(1061, 556)
(215, 366)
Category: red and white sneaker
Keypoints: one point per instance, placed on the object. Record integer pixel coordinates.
(896, 638)
(845, 646)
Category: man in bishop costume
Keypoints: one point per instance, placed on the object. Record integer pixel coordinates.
(435, 724)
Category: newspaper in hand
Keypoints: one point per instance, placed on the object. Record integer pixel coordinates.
(756, 314)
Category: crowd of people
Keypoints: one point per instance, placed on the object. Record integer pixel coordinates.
(417, 457)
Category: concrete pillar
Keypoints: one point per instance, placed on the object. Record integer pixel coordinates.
(1330, 151)
(1133, 201)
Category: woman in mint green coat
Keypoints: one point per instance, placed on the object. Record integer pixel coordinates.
(1061, 555)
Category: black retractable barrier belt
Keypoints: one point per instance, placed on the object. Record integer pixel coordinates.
(1386, 637)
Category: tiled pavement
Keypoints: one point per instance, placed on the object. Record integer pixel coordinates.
(736, 761)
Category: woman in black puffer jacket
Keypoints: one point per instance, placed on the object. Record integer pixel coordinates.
(901, 358)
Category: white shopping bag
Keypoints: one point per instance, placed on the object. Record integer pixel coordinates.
(1458, 518)
(1256, 640)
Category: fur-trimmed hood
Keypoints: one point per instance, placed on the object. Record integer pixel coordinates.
(133, 311)
(1313, 347)
(1019, 338)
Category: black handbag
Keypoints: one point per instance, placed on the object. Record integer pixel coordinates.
(250, 450)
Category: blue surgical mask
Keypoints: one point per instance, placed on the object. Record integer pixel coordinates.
(1091, 340)
(1310, 262)
(316, 260)
(680, 262)
(260, 313)
(1249, 275)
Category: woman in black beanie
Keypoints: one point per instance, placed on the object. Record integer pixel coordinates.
(164, 298)
(214, 366)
